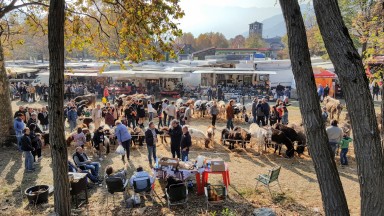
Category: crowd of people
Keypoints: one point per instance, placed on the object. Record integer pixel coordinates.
(29, 93)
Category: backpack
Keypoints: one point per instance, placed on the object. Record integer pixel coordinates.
(259, 111)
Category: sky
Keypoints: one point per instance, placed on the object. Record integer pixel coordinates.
(231, 17)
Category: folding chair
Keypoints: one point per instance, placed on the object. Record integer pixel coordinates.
(177, 194)
(215, 194)
(143, 186)
(271, 177)
(114, 185)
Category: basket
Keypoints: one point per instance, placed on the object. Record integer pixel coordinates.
(37, 194)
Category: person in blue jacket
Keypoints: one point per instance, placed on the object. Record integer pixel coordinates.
(18, 125)
(123, 137)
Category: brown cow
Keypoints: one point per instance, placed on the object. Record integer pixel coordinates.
(333, 106)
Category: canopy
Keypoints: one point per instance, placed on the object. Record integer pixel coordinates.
(322, 73)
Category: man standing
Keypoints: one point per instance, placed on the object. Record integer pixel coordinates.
(26, 147)
(335, 134)
(266, 109)
(230, 114)
(188, 115)
(186, 143)
(96, 116)
(260, 114)
(151, 140)
(320, 92)
(175, 132)
(209, 94)
(326, 91)
(171, 110)
(123, 137)
(21, 111)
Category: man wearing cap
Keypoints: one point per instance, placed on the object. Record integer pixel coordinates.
(82, 161)
(123, 137)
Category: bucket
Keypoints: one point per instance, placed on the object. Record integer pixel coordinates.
(37, 194)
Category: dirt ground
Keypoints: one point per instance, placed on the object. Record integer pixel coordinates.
(300, 196)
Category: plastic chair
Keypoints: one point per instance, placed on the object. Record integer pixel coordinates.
(215, 194)
(268, 179)
(115, 184)
(177, 194)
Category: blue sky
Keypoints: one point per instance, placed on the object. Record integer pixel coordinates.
(230, 17)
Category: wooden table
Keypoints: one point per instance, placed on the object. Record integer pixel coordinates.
(78, 185)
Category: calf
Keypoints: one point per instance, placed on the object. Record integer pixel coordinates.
(87, 121)
(211, 135)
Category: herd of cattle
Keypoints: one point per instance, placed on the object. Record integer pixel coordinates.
(277, 136)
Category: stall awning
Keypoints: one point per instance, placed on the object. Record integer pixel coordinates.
(322, 73)
(243, 72)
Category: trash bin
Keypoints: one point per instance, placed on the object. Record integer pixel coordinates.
(37, 194)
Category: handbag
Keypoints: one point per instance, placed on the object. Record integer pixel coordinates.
(120, 150)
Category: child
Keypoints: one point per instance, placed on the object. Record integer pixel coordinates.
(284, 118)
(324, 115)
(344, 144)
(104, 100)
(87, 113)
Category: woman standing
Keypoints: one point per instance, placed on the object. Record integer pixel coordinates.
(376, 90)
(214, 112)
(151, 110)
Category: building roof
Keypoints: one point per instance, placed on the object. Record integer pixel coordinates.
(204, 50)
(255, 22)
(243, 49)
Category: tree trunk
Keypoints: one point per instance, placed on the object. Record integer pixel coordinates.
(354, 82)
(56, 104)
(334, 201)
(6, 117)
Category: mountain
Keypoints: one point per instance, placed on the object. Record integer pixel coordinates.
(275, 25)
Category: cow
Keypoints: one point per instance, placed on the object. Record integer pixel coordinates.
(91, 98)
(293, 136)
(280, 138)
(333, 106)
(262, 135)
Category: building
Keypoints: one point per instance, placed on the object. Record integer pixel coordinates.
(256, 28)
(200, 55)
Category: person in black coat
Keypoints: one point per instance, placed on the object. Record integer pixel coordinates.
(98, 139)
(151, 140)
(26, 147)
(43, 118)
(35, 140)
(186, 143)
(175, 132)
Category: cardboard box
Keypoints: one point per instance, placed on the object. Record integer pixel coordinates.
(174, 162)
(217, 166)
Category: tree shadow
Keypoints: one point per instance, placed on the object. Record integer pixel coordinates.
(17, 160)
